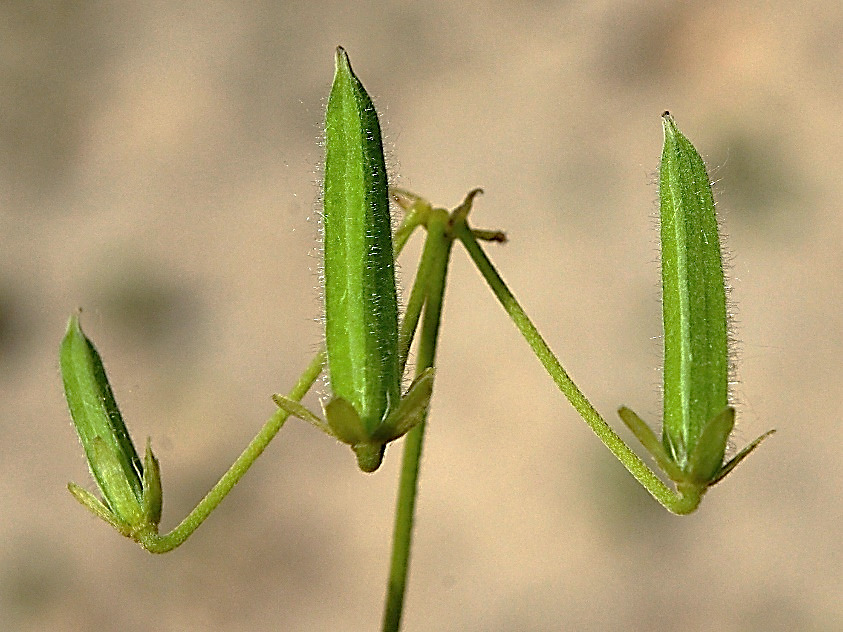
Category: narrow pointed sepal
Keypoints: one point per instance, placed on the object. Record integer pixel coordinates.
(294, 408)
(740, 456)
(706, 459)
(411, 410)
(651, 443)
(153, 497)
(96, 507)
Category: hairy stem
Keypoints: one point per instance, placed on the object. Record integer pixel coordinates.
(155, 543)
(676, 503)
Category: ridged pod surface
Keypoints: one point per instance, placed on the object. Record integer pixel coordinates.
(696, 354)
(361, 307)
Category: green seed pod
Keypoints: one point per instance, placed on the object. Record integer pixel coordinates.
(367, 410)
(697, 417)
(696, 354)
(132, 491)
(361, 307)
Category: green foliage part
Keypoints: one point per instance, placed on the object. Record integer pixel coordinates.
(153, 493)
(361, 307)
(132, 492)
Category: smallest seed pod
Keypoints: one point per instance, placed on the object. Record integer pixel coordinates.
(131, 490)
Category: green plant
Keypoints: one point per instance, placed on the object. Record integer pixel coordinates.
(366, 347)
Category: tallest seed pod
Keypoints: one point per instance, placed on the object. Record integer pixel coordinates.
(361, 307)
(366, 410)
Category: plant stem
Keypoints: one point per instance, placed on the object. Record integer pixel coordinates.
(155, 543)
(412, 313)
(675, 502)
(434, 261)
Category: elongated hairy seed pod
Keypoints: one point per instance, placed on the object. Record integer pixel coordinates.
(361, 307)
(696, 355)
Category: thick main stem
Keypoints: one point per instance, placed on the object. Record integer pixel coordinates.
(435, 259)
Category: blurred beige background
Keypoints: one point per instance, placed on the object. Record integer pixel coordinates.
(159, 167)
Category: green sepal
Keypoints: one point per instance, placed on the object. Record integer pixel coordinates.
(121, 498)
(348, 428)
(409, 413)
(740, 456)
(344, 421)
(651, 443)
(153, 495)
(96, 507)
(705, 467)
(706, 459)
(345, 425)
(294, 408)
(411, 410)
